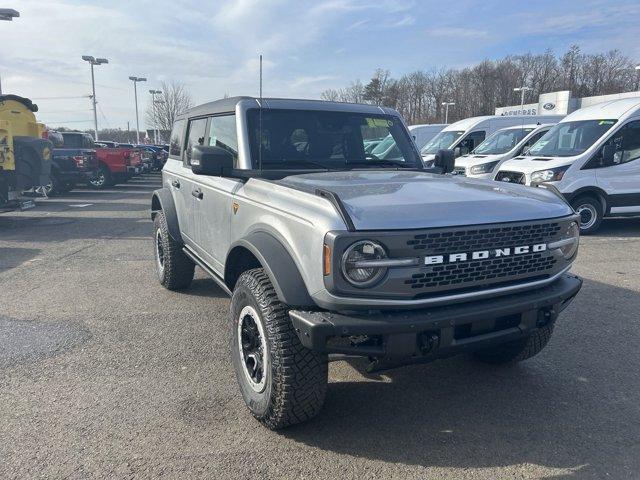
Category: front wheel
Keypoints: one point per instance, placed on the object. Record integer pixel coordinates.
(281, 381)
(591, 213)
(103, 179)
(518, 350)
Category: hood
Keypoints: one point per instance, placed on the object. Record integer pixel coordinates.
(529, 165)
(477, 159)
(394, 200)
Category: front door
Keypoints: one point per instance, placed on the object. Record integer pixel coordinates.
(213, 196)
(621, 181)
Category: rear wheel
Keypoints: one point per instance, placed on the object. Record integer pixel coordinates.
(591, 213)
(103, 178)
(174, 269)
(281, 381)
(519, 350)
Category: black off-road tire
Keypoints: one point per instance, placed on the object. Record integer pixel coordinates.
(174, 269)
(295, 379)
(519, 350)
(588, 207)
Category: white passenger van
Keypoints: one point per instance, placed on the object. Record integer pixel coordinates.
(592, 157)
(423, 133)
(465, 135)
(485, 160)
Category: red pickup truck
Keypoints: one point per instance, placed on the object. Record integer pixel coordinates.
(116, 165)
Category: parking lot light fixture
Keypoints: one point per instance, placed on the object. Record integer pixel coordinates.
(446, 106)
(638, 81)
(135, 81)
(94, 61)
(522, 91)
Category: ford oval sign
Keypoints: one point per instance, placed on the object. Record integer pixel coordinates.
(549, 106)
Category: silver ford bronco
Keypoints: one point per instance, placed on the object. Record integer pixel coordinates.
(333, 240)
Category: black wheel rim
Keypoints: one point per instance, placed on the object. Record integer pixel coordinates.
(159, 251)
(253, 348)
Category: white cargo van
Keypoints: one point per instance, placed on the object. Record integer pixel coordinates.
(465, 135)
(485, 160)
(423, 133)
(592, 157)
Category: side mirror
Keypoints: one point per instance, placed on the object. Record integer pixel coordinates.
(608, 155)
(445, 160)
(457, 152)
(213, 161)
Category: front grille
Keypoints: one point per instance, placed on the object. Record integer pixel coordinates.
(460, 171)
(493, 270)
(511, 177)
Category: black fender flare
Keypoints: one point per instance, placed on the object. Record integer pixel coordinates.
(279, 266)
(162, 199)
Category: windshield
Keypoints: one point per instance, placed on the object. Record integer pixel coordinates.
(567, 139)
(443, 140)
(502, 141)
(309, 139)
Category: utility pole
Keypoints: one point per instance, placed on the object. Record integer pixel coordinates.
(446, 106)
(154, 112)
(522, 91)
(94, 61)
(135, 81)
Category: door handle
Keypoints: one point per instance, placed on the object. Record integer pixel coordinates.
(175, 183)
(197, 193)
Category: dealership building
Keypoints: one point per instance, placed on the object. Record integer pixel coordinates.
(560, 103)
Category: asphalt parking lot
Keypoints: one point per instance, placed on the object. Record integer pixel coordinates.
(104, 374)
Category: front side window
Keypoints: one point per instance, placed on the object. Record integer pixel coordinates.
(441, 141)
(470, 142)
(567, 139)
(532, 141)
(626, 143)
(309, 139)
(502, 141)
(223, 134)
(87, 142)
(175, 142)
(196, 136)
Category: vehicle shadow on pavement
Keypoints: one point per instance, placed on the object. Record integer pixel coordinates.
(573, 407)
(11, 257)
(204, 287)
(619, 227)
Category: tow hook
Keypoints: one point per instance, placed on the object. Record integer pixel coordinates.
(545, 317)
(428, 342)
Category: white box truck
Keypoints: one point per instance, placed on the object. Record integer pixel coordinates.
(485, 160)
(465, 135)
(592, 157)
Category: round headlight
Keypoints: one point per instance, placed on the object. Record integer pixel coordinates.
(358, 263)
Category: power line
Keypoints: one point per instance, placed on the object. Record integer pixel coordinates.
(59, 98)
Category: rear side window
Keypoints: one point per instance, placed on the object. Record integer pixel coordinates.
(87, 142)
(175, 144)
(223, 134)
(72, 140)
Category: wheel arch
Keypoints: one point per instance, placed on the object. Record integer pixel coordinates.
(592, 191)
(261, 249)
(162, 200)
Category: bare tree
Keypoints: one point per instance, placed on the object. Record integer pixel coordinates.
(173, 100)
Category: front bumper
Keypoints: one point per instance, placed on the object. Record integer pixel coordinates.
(78, 176)
(426, 334)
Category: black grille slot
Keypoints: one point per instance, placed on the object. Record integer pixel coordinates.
(511, 177)
(484, 238)
(491, 269)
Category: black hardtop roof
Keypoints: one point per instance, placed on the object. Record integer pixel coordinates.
(226, 105)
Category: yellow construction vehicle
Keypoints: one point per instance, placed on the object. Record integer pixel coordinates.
(25, 157)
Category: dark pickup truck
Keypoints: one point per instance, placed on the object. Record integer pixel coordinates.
(73, 161)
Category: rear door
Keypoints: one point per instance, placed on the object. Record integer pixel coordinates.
(622, 180)
(213, 198)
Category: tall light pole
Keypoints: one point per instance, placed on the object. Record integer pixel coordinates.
(522, 91)
(7, 14)
(135, 81)
(94, 61)
(153, 109)
(446, 106)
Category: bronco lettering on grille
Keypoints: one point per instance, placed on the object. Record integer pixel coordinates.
(484, 254)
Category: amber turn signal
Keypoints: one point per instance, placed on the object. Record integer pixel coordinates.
(326, 260)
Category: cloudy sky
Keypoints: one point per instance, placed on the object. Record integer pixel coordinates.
(308, 46)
